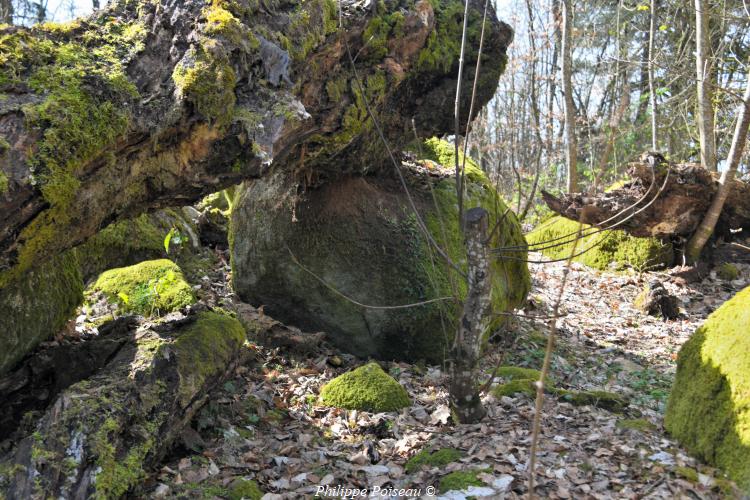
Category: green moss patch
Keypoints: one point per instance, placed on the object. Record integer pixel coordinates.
(520, 386)
(555, 238)
(151, 287)
(709, 407)
(367, 388)
(636, 424)
(728, 272)
(518, 373)
(247, 490)
(438, 458)
(601, 399)
(459, 480)
(204, 348)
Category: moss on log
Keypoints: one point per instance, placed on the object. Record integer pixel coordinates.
(101, 435)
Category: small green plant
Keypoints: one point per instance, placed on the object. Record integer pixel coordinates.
(173, 237)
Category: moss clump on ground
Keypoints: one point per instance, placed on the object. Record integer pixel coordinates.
(728, 272)
(709, 407)
(636, 424)
(367, 388)
(429, 458)
(688, 473)
(600, 399)
(244, 489)
(151, 287)
(521, 386)
(3, 184)
(602, 249)
(459, 480)
(204, 348)
(518, 373)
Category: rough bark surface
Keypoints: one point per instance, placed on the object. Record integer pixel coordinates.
(153, 104)
(101, 434)
(465, 401)
(677, 210)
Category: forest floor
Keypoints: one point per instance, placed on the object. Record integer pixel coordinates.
(266, 424)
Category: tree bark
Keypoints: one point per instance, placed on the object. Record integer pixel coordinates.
(705, 115)
(708, 224)
(571, 144)
(6, 11)
(676, 212)
(165, 103)
(465, 400)
(651, 83)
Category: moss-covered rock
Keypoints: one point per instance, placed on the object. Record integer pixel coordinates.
(437, 458)
(37, 304)
(728, 272)
(247, 490)
(519, 386)
(459, 480)
(366, 388)
(709, 407)
(153, 286)
(360, 236)
(555, 237)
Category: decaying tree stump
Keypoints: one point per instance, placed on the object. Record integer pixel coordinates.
(676, 211)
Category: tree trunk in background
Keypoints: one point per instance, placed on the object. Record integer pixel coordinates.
(651, 83)
(465, 400)
(705, 115)
(6, 11)
(571, 146)
(706, 228)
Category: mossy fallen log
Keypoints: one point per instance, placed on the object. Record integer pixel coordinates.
(146, 105)
(611, 249)
(669, 204)
(100, 436)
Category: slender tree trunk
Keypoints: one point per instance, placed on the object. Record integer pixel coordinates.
(467, 406)
(651, 84)
(6, 11)
(706, 228)
(705, 115)
(570, 120)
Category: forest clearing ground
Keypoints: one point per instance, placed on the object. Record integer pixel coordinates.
(267, 425)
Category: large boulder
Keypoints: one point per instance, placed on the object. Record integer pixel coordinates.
(709, 407)
(358, 236)
(598, 249)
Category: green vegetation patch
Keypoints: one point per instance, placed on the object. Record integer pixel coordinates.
(555, 238)
(521, 386)
(244, 489)
(709, 407)
(728, 272)
(153, 286)
(459, 480)
(438, 458)
(601, 399)
(366, 388)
